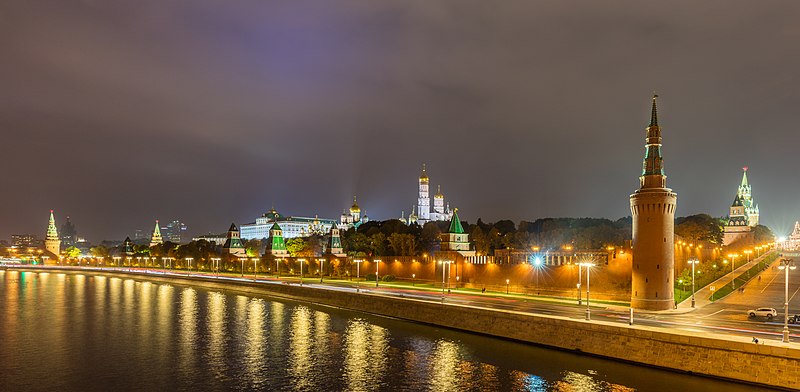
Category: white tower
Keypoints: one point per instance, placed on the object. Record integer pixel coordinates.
(438, 203)
(424, 201)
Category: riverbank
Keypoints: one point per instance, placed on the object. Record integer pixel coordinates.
(772, 364)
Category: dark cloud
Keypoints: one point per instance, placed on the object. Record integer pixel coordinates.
(118, 113)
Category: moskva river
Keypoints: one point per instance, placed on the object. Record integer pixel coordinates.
(74, 332)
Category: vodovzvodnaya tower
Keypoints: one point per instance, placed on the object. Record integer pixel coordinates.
(653, 212)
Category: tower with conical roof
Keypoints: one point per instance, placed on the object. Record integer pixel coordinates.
(156, 238)
(743, 215)
(653, 213)
(275, 244)
(233, 243)
(438, 201)
(424, 200)
(455, 239)
(52, 242)
(335, 244)
(127, 247)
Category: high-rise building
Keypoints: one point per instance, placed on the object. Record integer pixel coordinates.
(69, 235)
(653, 212)
(174, 231)
(52, 242)
(25, 240)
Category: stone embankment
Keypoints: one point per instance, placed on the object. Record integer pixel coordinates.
(773, 364)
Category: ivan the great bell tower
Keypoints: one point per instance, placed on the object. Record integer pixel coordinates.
(653, 212)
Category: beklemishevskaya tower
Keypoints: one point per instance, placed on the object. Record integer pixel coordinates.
(653, 212)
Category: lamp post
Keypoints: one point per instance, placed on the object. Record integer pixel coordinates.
(255, 268)
(579, 283)
(277, 267)
(588, 268)
(507, 283)
(215, 263)
(445, 264)
(537, 263)
(301, 270)
(786, 265)
(117, 260)
(358, 273)
(377, 265)
(321, 267)
(188, 265)
(242, 259)
(733, 267)
(413, 279)
(693, 262)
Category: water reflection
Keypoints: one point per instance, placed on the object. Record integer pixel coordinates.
(217, 314)
(365, 355)
(444, 366)
(187, 330)
(256, 342)
(300, 348)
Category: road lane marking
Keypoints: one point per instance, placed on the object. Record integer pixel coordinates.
(770, 282)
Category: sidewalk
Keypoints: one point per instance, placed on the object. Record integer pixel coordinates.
(702, 295)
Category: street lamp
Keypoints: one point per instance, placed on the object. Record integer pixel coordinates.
(445, 264)
(117, 259)
(507, 282)
(537, 264)
(413, 279)
(377, 265)
(748, 252)
(188, 265)
(786, 265)
(255, 268)
(321, 267)
(277, 267)
(693, 262)
(242, 259)
(215, 262)
(588, 269)
(358, 273)
(579, 283)
(733, 267)
(301, 270)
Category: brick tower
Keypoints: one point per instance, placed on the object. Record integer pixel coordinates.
(653, 212)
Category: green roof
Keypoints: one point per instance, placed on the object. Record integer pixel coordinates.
(455, 224)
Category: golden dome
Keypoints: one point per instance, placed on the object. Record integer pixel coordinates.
(438, 194)
(355, 208)
(424, 176)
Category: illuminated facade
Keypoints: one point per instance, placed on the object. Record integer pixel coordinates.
(653, 213)
(292, 226)
(156, 238)
(424, 214)
(52, 242)
(743, 215)
(353, 217)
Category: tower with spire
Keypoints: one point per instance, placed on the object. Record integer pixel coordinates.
(455, 239)
(52, 242)
(233, 243)
(424, 200)
(275, 244)
(743, 214)
(335, 244)
(156, 239)
(653, 215)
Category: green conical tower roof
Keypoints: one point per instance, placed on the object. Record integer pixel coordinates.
(455, 224)
(744, 177)
(52, 232)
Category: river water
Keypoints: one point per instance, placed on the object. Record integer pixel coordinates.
(75, 332)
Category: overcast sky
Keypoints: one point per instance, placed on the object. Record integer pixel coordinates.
(118, 113)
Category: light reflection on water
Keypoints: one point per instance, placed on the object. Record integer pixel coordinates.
(78, 332)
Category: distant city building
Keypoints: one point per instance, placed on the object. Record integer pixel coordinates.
(156, 238)
(440, 211)
(52, 242)
(233, 244)
(141, 234)
(174, 231)
(353, 217)
(69, 235)
(24, 240)
(793, 242)
(743, 215)
(218, 239)
(653, 228)
(292, 226)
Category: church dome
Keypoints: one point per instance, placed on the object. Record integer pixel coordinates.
(355, 208)
(424, 176)
(439, 194)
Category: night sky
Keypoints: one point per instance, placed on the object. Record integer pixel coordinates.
(118, 113)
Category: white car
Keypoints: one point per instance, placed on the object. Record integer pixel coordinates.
(763, 312)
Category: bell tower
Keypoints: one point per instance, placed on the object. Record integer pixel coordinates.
(653, 212)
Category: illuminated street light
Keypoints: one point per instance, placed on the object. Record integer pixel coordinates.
(693, 262)
(588, 269)
(215, 264)
(786, 265)
(358, 273)
(277, 267)
(733, 267)
(255, 268)
(242, 259)
(321, 267)
(301, 270)
(445, 264)
(537, 264)
(377, 266)
(507, 283)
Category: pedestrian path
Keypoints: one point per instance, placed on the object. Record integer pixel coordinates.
(702, 295)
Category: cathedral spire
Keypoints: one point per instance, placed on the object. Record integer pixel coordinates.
(52, 242)
(52, 232)
(744, 176)
(654, 112)
(156, 238)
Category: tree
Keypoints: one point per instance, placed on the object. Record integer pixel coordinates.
(762, 234)
(295, 246)
(99, 251)
(72, 252)
(480, 240)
